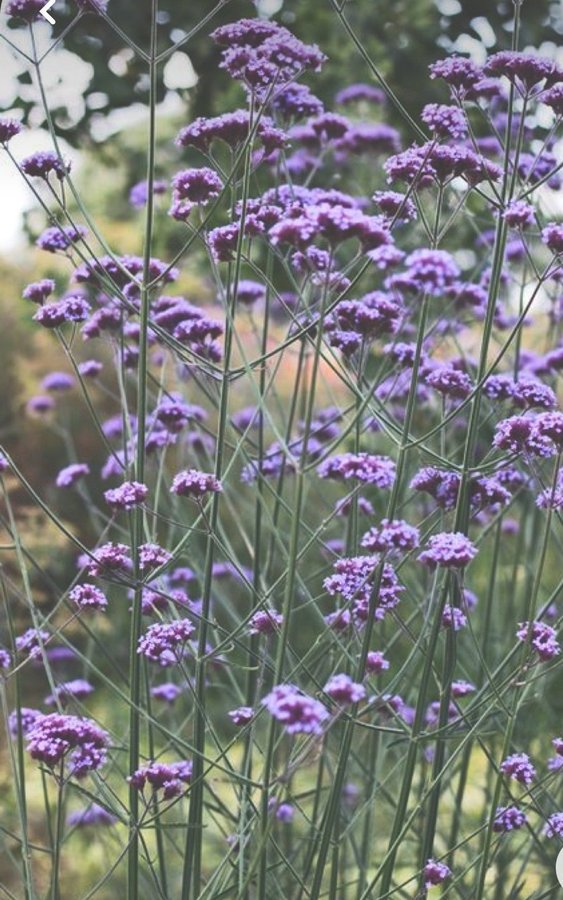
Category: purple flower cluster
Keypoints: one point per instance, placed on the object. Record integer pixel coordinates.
(195, 484)
(541, 637)
(164, 643)
(449, 549)
(343, 690)
(363, 467)
(170, 778)
(509, 818)
(519, 768)
(55, 737)
(391, 535)
(127, 495)
(299, 713)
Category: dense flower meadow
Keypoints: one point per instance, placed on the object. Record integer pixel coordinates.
(311, 645)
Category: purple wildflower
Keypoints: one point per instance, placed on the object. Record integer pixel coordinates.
(518, 767)
(519, 435)
(152, 556)
(68, 476)
(54, 736)
(298, 712)
(376, 662)
(31, 642)
(509, 818)
(194, 187)
(77, 689)
(552, 236)
(88, 597)
(363, 467)
(92, 816)
(453, 617)
(71, 309)
(164, 643)
(265, 621)
(519, 214)
(435, 873)
(355, 93)
(195, 484)
(344, 690)
(170, 778)
(393, 534)
(432, 271)
(542, 637)
(242, 715)
(445, 121)
(449, 549)
(9, 128)
(42, 163)
(58, 381)
(127, 495)
(28, 717)
(90, 368)
(554, 826)
(168, 692)
(138, 195)
(38, 291)
(109, 556)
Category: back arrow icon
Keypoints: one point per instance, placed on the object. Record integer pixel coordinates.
(44, 12)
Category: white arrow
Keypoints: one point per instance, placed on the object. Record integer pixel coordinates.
(44, 12)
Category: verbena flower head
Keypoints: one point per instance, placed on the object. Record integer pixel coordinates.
(519, 214)
(109, 557)
(457, 71)
(194, 187)
(298, 712)
(77, 689)
(391, 535)
(432, 271)
(9, 128)
(445, 121)
(343, 690)
(127, 496)
(509, 818)
(170, 778)
(167, 692)
(357, 93)
(55, 737)
(526, 70)
(26, 717)
(242, 715)
(38, 291)
(519, 435)
(265, 621)
(138, 195)
(71, 309)
(353, 578)
(435, 873)
(376, 662)
(232, 128)
(28, 10)
(554, 825)
(68, 476)
(88, 597)
(164, 643)
(152, 556)
(364, 467)
(518, 767)
(542, 638)
(32, 642)
(41, 163)
(58, 381)
(92, 816)
(195, 484)
(448, 549)
(453, 617)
